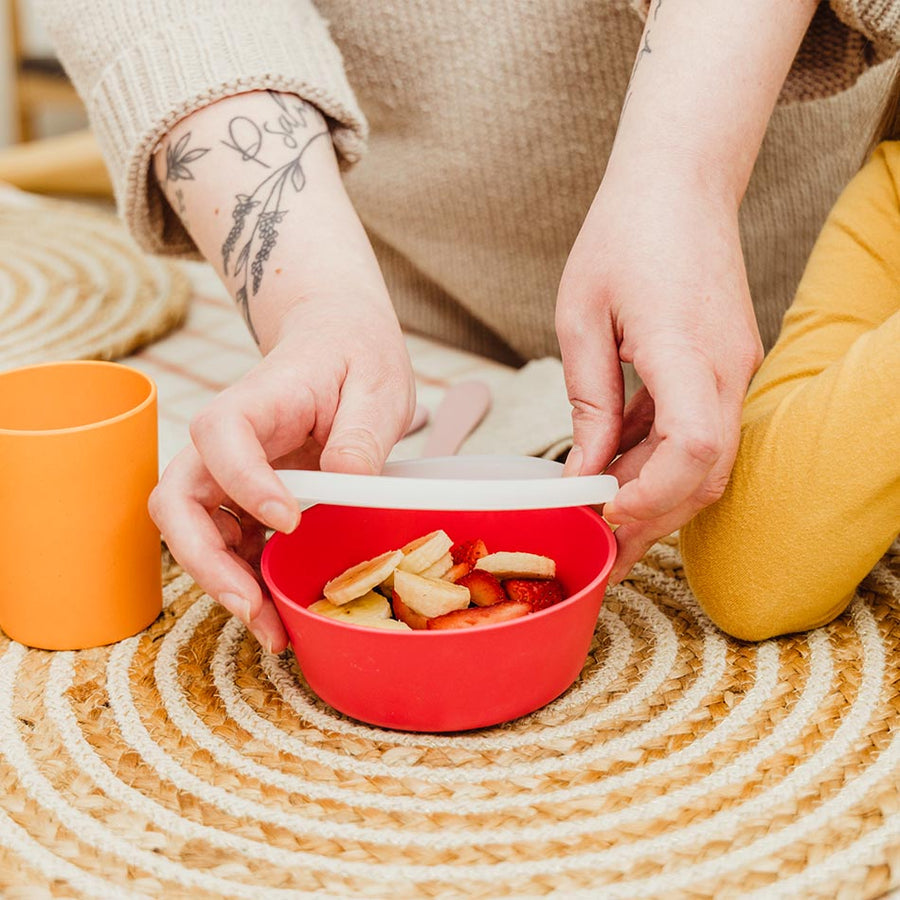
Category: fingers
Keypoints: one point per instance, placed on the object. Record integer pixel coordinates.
(595, 386)
(637, 419)
(634, 539)
(228, 436)
(690, 428)
(628, 466)
(230, 526)
(180, 508)
(632, 542)
(267, 628)
(367, 424)
(242, 534)
(684, 481)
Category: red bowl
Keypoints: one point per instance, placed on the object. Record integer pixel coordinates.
(449, 680)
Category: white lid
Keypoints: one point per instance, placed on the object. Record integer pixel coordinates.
(454, 483)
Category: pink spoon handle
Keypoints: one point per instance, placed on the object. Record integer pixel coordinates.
(464, 405)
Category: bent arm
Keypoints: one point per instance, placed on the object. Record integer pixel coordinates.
(705, 81)
(656, 276)
(143, 65)
(255, 180)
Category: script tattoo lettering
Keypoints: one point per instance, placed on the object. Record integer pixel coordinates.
(245, 138)
(254, 231)
(178, 157)
(291, 117)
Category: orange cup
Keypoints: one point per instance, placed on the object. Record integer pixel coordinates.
(79, 554)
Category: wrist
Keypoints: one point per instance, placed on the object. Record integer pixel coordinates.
(688, 169)
(341, 309)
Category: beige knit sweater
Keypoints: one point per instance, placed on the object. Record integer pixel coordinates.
(474, 135)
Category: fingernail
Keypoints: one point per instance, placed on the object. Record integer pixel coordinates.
(236, 605)
(573, 461)
(279, 515)
(265, 642)
(614, 517)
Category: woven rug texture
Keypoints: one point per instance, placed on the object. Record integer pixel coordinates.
(74, 285)
(184, 762)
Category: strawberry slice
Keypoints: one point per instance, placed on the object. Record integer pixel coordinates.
(485, 590)
(480, 615)
(403, 613)
(468, 552)
(537, 593)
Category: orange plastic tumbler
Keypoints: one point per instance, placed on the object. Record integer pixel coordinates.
(79, 554)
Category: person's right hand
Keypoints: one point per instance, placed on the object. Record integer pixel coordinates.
(656, 278)
(335, 392)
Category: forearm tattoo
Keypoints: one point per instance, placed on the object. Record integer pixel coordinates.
(645, 50)
(255, 217)
(260, 141)
(246, 137)
(179, 157)
(178, 160)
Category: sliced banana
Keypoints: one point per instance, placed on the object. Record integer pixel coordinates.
(386, 624)
(507, 564)
(361, 578)
(422, 554)
(371, 607)
(324, 607)
(430, 596)
(438, 569)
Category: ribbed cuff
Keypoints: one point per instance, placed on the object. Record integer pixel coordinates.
(877, 20)
(148, 88)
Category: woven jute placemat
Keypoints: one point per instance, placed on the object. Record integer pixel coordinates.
(185, 763)
(74, 285)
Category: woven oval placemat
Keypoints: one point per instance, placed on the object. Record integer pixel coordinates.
(74, 285)
(185, 763)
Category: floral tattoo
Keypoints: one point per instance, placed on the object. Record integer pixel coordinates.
(178, 158)
(265, 209)
(281, 133)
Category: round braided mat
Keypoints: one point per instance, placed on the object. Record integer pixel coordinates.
(74, 285)
(183, 763)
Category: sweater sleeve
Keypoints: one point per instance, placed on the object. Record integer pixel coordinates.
(877, 20)
(141, 65)
(844, 40)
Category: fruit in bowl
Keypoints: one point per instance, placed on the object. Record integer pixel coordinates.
(445, 678)
(428, 588)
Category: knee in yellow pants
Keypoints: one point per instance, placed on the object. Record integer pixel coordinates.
(741, 585)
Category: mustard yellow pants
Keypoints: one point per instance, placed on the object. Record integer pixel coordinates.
(814, 499)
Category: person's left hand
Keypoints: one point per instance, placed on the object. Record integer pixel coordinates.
(656, 277)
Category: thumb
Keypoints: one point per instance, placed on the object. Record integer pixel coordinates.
(364, 430)
(590, 357)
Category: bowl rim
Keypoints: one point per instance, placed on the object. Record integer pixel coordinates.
(279, 597)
